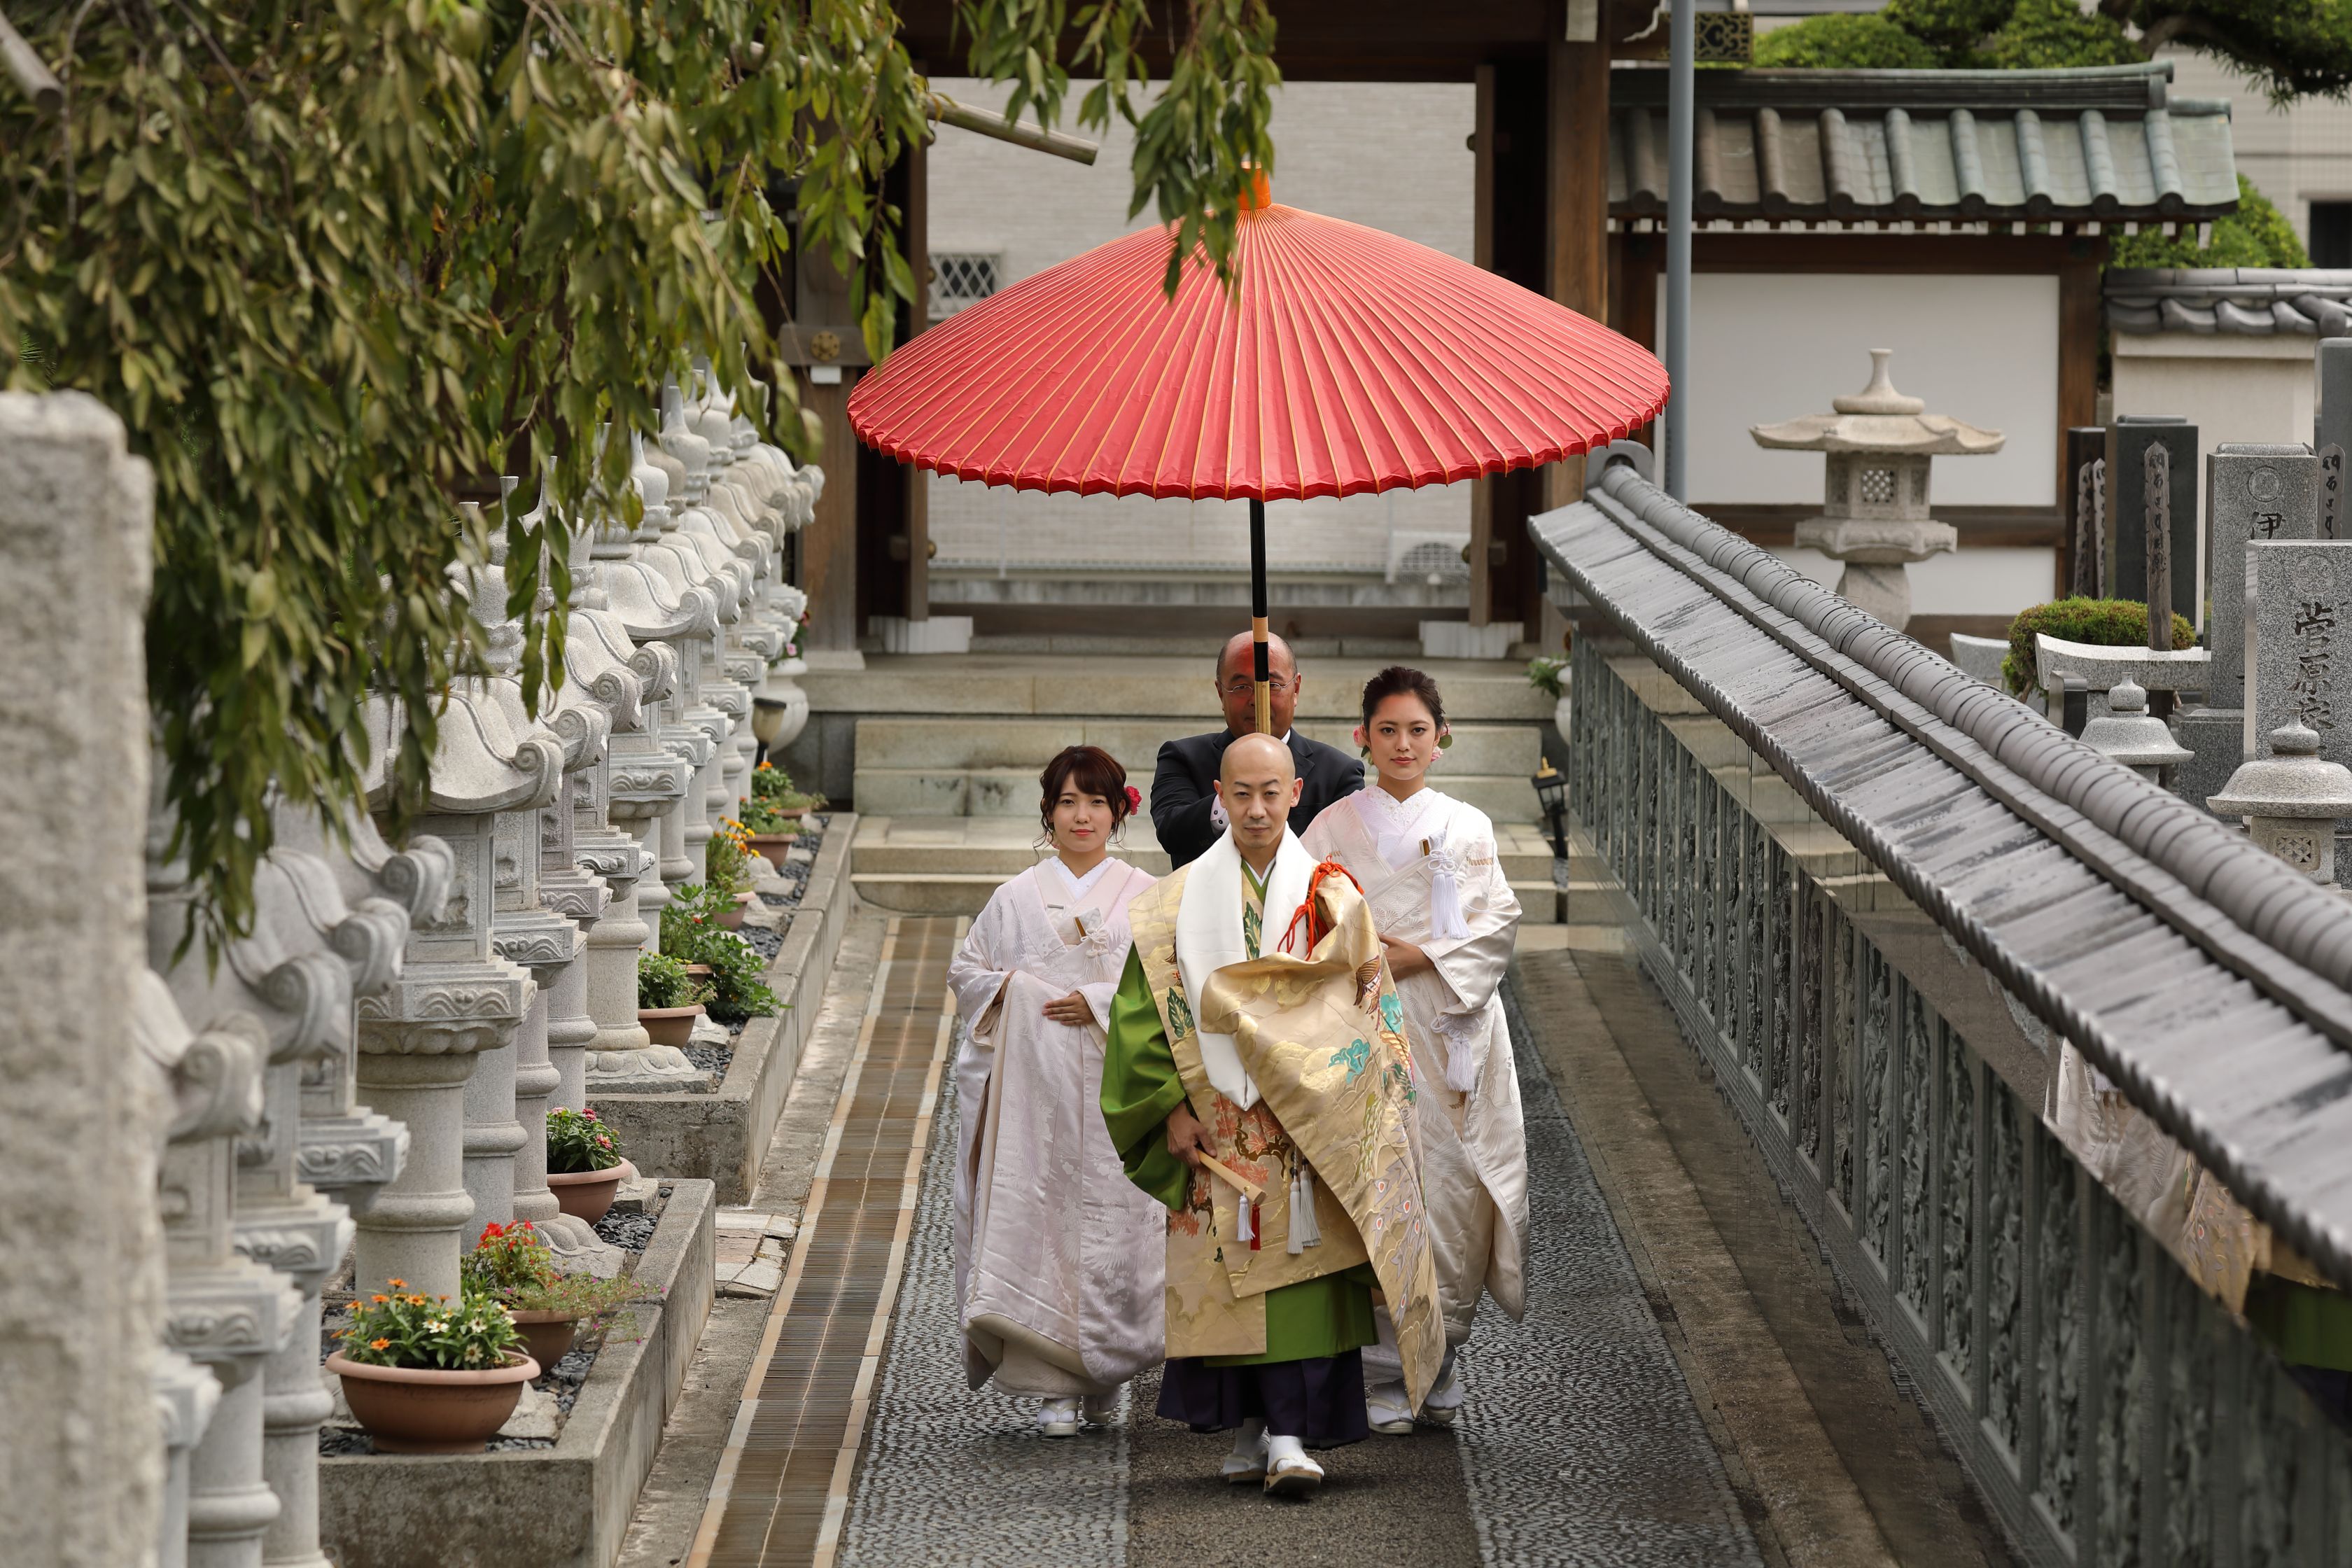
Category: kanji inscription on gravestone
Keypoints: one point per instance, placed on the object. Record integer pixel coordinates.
(2331, 492)
(2254, 494)
(2299, 642)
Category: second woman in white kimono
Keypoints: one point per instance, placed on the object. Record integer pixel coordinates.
(1448, 919)
(1058, 1256)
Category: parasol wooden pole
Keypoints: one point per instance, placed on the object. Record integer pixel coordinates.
(1257, 618)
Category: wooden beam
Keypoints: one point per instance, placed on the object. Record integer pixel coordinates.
(829, 543)
(1482, 252)
(1577, 155)
(2078, 368)
(917, 484)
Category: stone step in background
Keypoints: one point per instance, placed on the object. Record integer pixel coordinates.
(950, 864)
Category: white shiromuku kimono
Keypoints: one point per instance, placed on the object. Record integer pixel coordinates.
(1058, 1256)
(1428, 866)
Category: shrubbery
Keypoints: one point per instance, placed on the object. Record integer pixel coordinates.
(2104, 623)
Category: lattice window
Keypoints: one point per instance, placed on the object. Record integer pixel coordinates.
(1877, 487)
(960, 278)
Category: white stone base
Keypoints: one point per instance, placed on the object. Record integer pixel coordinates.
(653, 1070)
(833, 658)
(940, 634)
(1981, 657)
(1460, 639)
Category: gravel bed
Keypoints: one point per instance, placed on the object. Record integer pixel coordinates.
(629, 1232)
(712, 1059)
(796, 872)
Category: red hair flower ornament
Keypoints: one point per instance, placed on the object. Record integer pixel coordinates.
(1134, 798)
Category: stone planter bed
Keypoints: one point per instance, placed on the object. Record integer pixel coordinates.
(576, 1489)
(719, 1134)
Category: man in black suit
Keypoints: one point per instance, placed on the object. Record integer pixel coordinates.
(1183, 793)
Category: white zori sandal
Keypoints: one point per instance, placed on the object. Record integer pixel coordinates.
(1059, 1418)
(1288, 1471)
(1248, 1460)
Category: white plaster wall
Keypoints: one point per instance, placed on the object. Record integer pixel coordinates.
(1768, 346)
(1392, 156)
(2231, 388)
(1959, 583)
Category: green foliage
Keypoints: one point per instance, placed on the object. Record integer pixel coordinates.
(727, 860)
(1840, 41)
(514, 1265)
(663, 982)
(403, 1328)
(2287, 47)
(691, 934)
(2256, 234)
(2104, 623)
(766, 814)
(2048, 35)
(1544, 674)
(337, 265)
(1950, 27)
(577, 1141)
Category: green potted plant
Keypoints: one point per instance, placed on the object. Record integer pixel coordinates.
(585, 1167)
(1550, 676)
(513, 1266)
(425, 1377)
(727, 865)
(668, 999)
(693, 929)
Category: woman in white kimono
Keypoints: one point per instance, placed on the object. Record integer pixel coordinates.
(1428, 865)
(1060, 1258)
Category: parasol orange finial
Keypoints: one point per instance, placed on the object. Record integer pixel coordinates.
(1258, 193)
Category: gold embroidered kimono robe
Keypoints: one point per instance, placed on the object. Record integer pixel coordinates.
(1336, 1096)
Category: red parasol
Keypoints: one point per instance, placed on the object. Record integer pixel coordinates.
(1350, 361)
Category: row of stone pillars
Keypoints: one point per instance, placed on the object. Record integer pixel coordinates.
(367, 1072)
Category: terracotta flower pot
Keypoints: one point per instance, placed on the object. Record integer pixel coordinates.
(423, 1410)
(733, 918)
(586, 1195)
(773, 847)
(668, 1025)
(546, 1335)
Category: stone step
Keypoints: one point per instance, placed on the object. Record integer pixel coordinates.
(950, 864)
(966, 743)
(1013, 792)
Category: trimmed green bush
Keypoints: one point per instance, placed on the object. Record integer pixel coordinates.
(1844, 42)
(2104, 623)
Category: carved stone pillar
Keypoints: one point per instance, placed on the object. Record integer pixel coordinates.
(185, 1396)
(455, 997)
(292, 975)
(225, 1313)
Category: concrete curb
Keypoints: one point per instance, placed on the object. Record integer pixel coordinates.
(720, 1137)
(565, 1507)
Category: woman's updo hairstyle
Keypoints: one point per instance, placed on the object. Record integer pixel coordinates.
(1089, 769)
(1403, 680)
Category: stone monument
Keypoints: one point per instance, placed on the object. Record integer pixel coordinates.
(1875, 514)
(2299, 646)
(2128, 440)
(2254, 494)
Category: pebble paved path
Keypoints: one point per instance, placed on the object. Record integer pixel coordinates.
(1579, 1444)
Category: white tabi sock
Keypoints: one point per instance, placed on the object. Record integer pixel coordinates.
(1278, 1449)
(1246, 1440)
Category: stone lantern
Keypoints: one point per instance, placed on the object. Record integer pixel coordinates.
(2128, 733)
(1874, 502)
(2291, 800)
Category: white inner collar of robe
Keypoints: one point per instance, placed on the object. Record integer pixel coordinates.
(1209, 938)
(1076, 886)
(1399, 830)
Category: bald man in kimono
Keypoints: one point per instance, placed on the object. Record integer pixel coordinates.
(1256, 1081)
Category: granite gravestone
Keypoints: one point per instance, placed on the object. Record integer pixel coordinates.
(2298, 659)
(2126, 553)
(2254, 494)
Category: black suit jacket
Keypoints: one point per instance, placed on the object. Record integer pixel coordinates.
(1183, 788)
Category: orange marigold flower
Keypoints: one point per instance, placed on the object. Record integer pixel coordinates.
(397, 1284)
(378, 1344)
(378, 1301)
